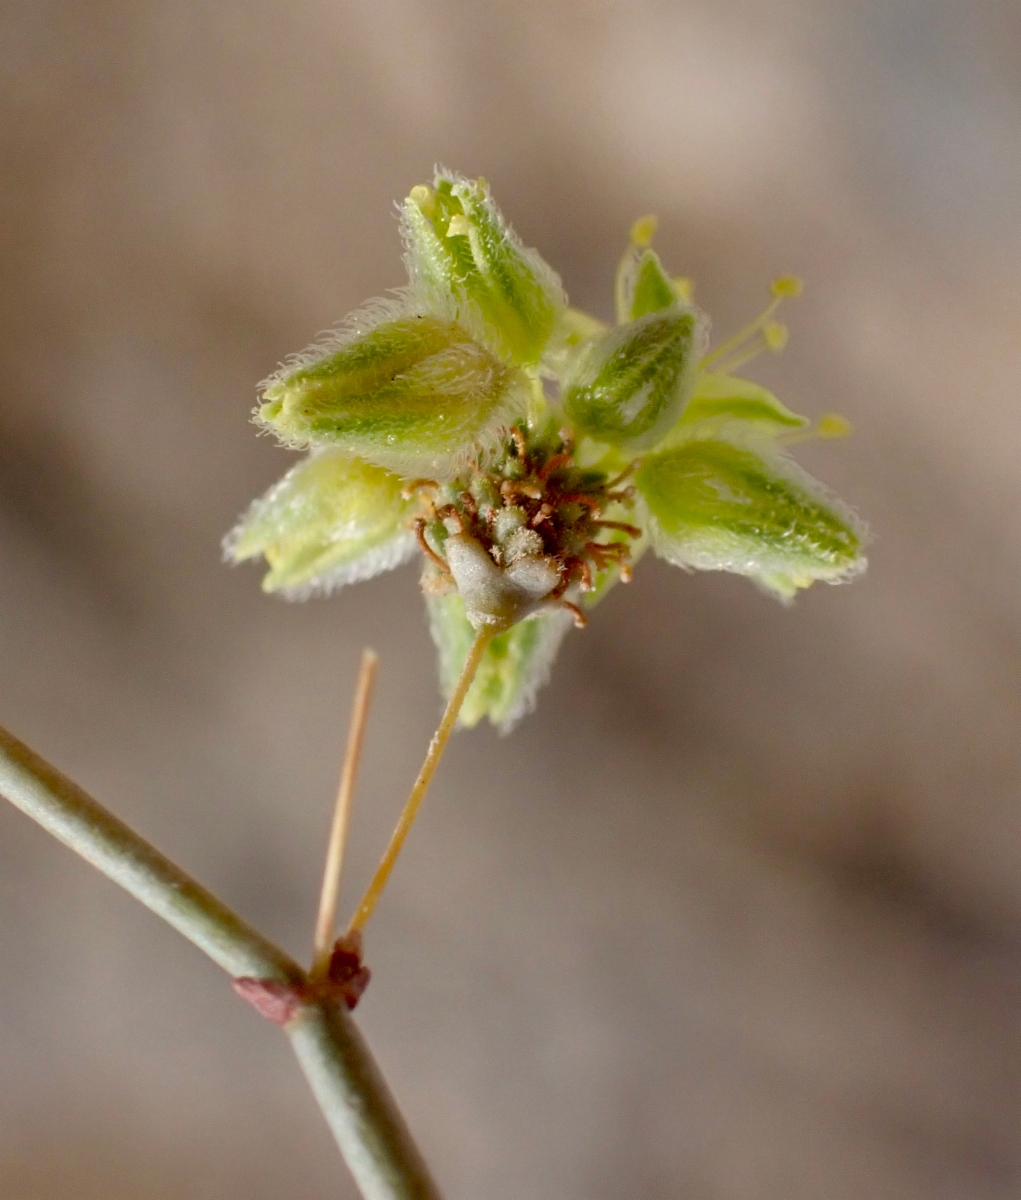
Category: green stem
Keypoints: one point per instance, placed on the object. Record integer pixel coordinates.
(74, 818)
(340, 1068)
(358, 1106)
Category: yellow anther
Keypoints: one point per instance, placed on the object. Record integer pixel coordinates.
(424, 197)
(685, 287)
(644, 230)
(787, 285)
(459, 226)
(740, 348)
(833, 425)
(775, 334)
(829, 425)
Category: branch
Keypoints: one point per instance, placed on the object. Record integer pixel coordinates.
(342, 1073)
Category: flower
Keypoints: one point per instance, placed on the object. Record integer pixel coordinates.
(531, 453)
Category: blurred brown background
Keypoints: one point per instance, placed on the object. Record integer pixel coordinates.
(737, 914)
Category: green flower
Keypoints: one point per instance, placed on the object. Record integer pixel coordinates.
(460, 251)
(714, 506)
(331, 520)
(416, 394)
(629, 386)
(531, 453)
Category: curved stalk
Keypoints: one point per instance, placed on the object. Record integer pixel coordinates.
(336, 1061)
(421, 786)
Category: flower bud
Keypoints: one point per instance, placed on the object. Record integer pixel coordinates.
(331, 520)
(459, 246)
(515, 666)
(629, 385)
(415, 395)
(721, 507)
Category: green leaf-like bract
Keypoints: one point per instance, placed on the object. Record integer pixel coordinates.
(630, 384)
(416, 395)
(722, 401)
(515, 666)
(722, 507)
(646, 287)
(331, 520)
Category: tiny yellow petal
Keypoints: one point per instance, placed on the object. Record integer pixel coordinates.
(644, 230)
(459, 226)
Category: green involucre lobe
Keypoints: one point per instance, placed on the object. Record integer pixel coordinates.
(645, 286)
(459, 246)
(331, 520)
(629, 385)
(516, 664)
(721, 507)
(726, 401)
(415, 395)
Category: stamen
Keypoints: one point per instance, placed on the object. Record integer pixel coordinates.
(830, 425)
(512, 487)
(553, 464)
(644, 230)
(427, 550)
(628, 470)
(773, 336)
(734, 363)
(623, 526)
(605, 554)
(785, 286)
(453, 519)
(833, 425)
(580, 620)
(685, 287)
(585, 500)
(418, 485)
